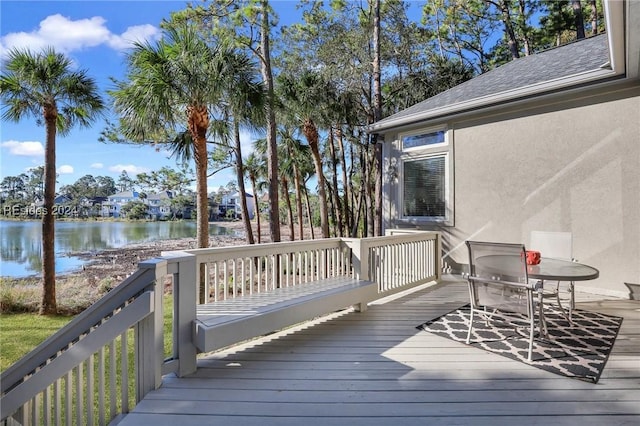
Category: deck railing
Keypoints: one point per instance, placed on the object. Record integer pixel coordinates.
(81, 374)
(399, 261)
(231, 272)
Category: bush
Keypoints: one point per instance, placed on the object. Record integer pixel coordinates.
(73, 294)
(19, 296)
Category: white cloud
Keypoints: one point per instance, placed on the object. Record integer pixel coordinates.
(59, 31)
(25, 149)
(68, 35)
(65, 169)
(246, 143)
(129, 168)
(97, 166)
(138, 33)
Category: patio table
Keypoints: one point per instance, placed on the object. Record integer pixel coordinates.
(548, 269)
(561, 270)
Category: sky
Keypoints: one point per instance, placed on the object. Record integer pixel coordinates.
(95, 35)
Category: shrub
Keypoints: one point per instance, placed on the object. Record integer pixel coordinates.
(73, 294)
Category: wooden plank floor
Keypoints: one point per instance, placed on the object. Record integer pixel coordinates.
(376, 368)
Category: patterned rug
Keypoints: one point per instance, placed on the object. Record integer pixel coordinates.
(580, 351)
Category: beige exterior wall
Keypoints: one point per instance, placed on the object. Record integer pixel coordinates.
(567, 166)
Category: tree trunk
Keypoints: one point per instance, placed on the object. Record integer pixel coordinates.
(335, 195)
(333, 218)
(377, 115)
(311, 133)
(257, 208)
(198, 123)
(297, 182)
(241, 189)
(594, 17)
(308, 204)
(347, 187)
(358, 210)
(508, 29)
(578, 18)
(284, 186)
(371, 193)
(49, 304)
(526, 38)
(272, 146)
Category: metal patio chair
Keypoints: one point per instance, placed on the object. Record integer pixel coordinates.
(556, 245)
(499, 288)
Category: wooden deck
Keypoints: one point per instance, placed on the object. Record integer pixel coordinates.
(376, 368)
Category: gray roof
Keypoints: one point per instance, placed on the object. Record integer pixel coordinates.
(125, 194)
(570, 59)
(163, 195)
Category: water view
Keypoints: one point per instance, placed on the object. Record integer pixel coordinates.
(21, 246)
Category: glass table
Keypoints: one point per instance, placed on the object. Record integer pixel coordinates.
(548, 269)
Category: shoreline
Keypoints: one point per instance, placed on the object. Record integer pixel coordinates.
(102, 270)
(118, 263)
(105, 269)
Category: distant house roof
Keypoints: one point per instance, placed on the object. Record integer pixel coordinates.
(162, 195)
(237, 195)
(61, 199)
(587, 55)
(96, 200)
(125, 194)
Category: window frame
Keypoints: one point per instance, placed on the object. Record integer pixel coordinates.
(437, 150)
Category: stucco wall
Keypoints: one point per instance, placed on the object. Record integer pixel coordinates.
(570, 166)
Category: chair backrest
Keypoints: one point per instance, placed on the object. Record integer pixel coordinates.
(557, 245)
(497, 261)
(492, 268)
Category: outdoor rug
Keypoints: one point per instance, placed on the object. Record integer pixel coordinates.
(579, 351)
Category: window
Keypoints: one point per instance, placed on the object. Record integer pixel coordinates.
(423, 139)
(426, 187)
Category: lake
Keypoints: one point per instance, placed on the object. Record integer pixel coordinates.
(21, 241)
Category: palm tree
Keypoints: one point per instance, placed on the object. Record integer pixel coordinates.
(46, 86)
(244, 100)
(303, 95)
(175, 82)
(302, 166)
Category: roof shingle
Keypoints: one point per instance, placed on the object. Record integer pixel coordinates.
(570, 59)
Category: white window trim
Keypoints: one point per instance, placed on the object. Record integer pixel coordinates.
(445, 150)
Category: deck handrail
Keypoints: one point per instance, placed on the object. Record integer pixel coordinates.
(235, 271)
(80, 325)
(34, 385)
(27, 386)
(399, 260)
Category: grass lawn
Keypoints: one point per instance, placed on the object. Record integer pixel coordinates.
(20, 333)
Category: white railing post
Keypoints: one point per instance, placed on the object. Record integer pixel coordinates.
(149, 351)
(359, 257)
(185, 296)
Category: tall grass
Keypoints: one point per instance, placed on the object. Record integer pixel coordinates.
(73, 294)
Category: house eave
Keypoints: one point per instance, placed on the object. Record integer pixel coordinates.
(605, 73)
(622, 21)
